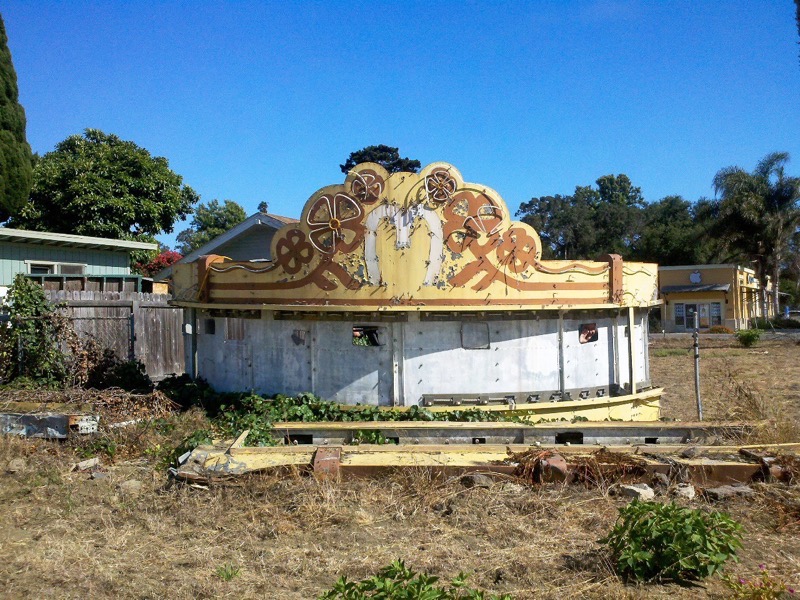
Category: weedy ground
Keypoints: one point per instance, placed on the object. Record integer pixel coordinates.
(287, 535)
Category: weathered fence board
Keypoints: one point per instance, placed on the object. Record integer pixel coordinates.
(132, 324)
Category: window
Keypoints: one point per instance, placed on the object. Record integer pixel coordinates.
(716, 313)
(54, 268)
(41, 268)
(475, 336)
(66, 269)
(209, 326)
(367, 335)
(680, 318)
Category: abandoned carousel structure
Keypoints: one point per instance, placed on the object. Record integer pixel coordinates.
(418, 289)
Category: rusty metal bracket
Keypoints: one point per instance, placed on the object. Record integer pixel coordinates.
(327, 462)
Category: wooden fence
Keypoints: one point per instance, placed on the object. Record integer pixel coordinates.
(132, 324)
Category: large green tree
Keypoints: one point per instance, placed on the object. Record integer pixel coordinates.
(592, 221)
(674, 233)
(100, 185)
(16, 170)
(759, 214)
(209, 221)
(386, 156)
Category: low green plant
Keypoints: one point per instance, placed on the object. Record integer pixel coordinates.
(653, 541)
(369, 436)
(227, 572)
(98, 446)
(398, 582)
(748, 337)
(763, 587)
(232, 413)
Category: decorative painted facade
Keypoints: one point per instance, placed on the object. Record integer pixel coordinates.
(407, 288)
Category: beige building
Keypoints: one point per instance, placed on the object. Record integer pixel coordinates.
(720, 294)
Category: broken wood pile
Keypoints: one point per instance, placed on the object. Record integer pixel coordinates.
(588, 465)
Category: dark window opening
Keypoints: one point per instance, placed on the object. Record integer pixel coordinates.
(479, 440)
(651, 440)
(209, 326)
(365, 335)
(299, 439)
(70, 269)
(42, 269)
(569, 437)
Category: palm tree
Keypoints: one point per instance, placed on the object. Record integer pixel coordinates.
(758, 214)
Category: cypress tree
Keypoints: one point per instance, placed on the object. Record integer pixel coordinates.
(16, 169)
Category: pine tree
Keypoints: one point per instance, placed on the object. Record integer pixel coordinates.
(16, 169)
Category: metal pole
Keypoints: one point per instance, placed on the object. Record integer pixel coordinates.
(696, 336)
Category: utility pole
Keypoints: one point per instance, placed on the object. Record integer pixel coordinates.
(696, 337)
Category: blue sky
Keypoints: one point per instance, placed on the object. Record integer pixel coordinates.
(261, 101)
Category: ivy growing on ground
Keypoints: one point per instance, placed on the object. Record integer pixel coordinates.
(398, 582)
(232, 413)
(653, 541)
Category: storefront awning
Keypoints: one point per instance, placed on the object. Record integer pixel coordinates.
(710, 287)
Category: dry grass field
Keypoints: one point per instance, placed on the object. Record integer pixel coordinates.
(64, 535)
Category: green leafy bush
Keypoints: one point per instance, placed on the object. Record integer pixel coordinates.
(31, 346)
(653, 541)
(748, 337)
(398, 582)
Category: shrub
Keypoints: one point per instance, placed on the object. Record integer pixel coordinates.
(110, 371)
(720, 329)
(748, 337)
(398, 582)
(653, 541)
(31, 346)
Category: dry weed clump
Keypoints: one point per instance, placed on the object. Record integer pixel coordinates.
(738, 400)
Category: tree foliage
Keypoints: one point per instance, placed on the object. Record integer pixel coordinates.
(758, 214)
(209, 221)
(16, 170)
(386, 156)
(97, 184)
(592, 221)
(673, 233)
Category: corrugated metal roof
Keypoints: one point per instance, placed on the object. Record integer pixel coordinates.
(48, 238)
